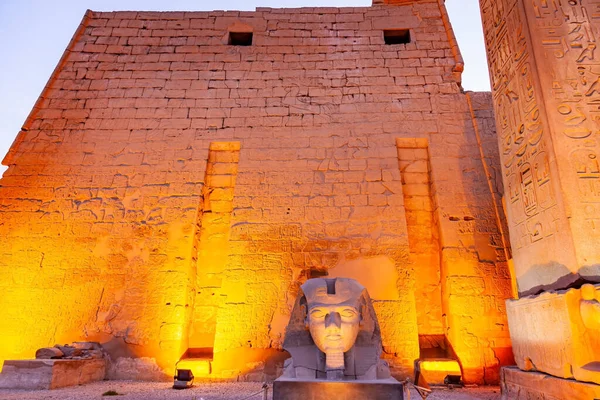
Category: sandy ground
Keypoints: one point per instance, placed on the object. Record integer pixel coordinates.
(215, 391)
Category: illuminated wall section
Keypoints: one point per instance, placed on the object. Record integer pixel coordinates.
(119, 197)
(423, 238)
(98, 216)
(329, 205)
(475, 273)
(213, 245)
(96, 244)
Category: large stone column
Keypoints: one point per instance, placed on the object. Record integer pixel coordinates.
(545, 70)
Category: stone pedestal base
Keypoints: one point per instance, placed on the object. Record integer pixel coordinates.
(292, 389)
(521, 385)
(50, 374)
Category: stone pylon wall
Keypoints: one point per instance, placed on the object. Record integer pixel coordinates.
(170, 191)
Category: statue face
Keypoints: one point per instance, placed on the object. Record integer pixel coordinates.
(333, 327)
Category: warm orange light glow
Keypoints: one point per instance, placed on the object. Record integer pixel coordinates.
(434, 371)
(168, 202)
(200, 368)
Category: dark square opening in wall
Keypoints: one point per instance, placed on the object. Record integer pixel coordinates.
(240, 38)
(396, 36)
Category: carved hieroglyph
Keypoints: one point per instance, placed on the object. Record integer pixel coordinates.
(564, 38)
(333, 333)
(545, 72)
(558, 333)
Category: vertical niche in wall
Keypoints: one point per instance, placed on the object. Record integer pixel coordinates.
(424, 243)
(213, 245)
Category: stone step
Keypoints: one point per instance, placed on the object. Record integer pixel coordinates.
(200, 367)
(435, 370)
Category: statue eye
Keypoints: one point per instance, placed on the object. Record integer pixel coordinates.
(317, 314)
(348, 313)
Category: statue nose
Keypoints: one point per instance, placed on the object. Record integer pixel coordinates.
(333, 319)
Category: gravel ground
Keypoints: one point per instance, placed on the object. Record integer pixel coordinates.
(215, 391)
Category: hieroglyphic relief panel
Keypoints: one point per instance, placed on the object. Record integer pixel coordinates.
(534, 213)
(565, 37)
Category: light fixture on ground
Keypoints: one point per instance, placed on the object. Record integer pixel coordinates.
(184, 378)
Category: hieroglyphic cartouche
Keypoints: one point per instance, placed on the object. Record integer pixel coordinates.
(521, 124)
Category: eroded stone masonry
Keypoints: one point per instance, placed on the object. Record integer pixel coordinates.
(173, 188)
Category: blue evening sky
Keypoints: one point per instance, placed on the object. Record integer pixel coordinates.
(34, 34)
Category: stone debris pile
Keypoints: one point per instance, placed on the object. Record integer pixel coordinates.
(55, 367)
(73, 351)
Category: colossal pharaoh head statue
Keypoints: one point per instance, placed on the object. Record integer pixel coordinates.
(333, 333)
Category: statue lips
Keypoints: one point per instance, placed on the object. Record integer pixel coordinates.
(333, 338)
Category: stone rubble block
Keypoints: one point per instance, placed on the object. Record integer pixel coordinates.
(558, 333)
(50, 374)
(49, 353)
(76, 350)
